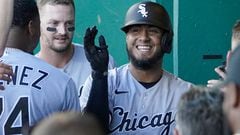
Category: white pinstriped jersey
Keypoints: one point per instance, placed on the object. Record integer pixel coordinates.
(78, 68)
(137, 110)
(37, 90)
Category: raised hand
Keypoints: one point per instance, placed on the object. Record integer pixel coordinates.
(97, 56)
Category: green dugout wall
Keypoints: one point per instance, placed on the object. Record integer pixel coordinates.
(202, 32)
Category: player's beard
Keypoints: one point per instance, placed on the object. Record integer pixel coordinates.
(55, 48)
(61, 49)
(50, 45)
(145, 64)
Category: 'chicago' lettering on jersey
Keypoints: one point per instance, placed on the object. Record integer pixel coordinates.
(21, 77)
(131, 124)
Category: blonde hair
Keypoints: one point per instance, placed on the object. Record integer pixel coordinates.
(41, 3)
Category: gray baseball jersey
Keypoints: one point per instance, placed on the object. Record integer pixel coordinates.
(36, 91)
(137, 110)
(78, 68)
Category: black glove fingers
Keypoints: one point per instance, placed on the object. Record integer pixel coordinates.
(102, 42)
(93, 34)
(103, 45)
(86, 36)
(96, 55)
(87, 40)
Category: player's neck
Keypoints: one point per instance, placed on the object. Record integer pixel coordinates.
(16, 39)
(56, 59)
(147, 76)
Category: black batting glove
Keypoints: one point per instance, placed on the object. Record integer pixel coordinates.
(97, 56)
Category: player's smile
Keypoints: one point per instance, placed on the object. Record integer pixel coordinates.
(144, 48)
(143, 51)
(61, 39)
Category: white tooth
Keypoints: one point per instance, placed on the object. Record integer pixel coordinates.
(144, 48)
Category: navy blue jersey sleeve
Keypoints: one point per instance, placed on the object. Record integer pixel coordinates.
(98, 100)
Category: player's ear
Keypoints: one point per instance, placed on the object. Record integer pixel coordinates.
(237, 96)
(31, 29)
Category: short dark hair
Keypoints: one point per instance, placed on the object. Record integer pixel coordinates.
(24, 11)
(200, 112)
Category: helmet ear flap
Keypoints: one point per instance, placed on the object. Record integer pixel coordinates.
(166, 41)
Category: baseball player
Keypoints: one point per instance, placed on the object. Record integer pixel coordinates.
(142, 96)
(235, 42)
(231, 88)
(37, 89)
(57, 29)
(57, 49)
(200, 112)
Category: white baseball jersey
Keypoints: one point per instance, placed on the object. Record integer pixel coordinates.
(78, 68)
(36, 91)
(136, 110)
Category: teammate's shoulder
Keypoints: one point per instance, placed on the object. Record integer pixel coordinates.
(78, 51)
(174, 79)
(36, 54)
(78, 46)
(118, 74)
(123, 67)
(119, 70)
(18, 56)
(42, 65)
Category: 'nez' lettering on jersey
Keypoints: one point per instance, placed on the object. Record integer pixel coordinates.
(131, 124)
(22, 77)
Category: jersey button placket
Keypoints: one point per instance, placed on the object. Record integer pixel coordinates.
(144, 99)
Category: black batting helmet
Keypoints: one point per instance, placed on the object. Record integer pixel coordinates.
(154, 14)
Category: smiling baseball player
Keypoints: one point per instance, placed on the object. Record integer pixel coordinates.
(37, 89)
(142, 96)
